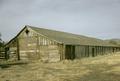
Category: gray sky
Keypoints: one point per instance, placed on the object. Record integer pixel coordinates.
(95, 18)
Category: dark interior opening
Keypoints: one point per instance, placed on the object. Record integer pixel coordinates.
(7, 52)
(70, 52)
(27, 31)
(93, 52)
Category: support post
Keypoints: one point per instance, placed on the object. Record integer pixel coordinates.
(18, 53)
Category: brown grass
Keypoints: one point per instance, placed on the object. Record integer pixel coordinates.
(101, 68)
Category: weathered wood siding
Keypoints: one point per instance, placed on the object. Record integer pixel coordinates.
(12, 52)
(2, 52)
(92, 51)
(34, 46)
(30, 45)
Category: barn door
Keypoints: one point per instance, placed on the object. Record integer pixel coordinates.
(70, 52)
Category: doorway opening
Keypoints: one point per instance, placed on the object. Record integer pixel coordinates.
(70, 52)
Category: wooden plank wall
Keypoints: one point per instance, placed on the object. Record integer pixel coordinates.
(12, 50)
(32, 46)
(2, 53)
(92, 51)
(49, 51)
(36, 47)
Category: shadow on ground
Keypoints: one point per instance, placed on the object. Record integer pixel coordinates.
(8, 65)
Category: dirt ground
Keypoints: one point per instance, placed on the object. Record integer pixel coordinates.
(101, 68)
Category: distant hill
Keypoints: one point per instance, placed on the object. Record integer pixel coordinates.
(114, 41)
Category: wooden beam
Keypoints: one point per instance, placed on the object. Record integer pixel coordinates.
(88, 51)
(18, 53)
(64, 51)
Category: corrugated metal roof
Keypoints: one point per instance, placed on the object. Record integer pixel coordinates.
(69, 38)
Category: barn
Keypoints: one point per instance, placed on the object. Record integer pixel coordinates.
(33, 43)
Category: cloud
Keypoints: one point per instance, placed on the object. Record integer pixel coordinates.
(97, 18)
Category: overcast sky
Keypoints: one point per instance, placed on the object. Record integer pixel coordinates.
(94, 18)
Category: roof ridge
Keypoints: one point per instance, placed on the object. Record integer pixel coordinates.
(63, 32)
(69, 37)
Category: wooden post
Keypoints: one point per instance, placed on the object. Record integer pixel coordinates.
(88, 51)
(18, 53)
(63, 52)
(102, 50)
(85, 51)
(109, 49)
(6, 53)
(96, 50)
(37, 47)
(93, 51)
(113, 49)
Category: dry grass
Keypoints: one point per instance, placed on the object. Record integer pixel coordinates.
(101, 68)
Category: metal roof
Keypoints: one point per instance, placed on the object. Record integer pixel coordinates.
(69, 38)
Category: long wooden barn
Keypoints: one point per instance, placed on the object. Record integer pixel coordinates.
(33, 43)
